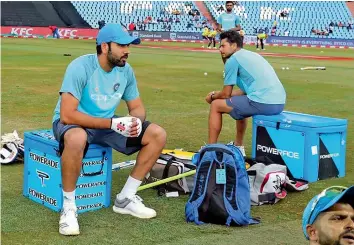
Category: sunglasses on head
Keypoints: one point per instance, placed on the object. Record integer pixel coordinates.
(328, 192)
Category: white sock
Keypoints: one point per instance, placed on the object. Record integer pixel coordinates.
(130, 188)
(69, 199)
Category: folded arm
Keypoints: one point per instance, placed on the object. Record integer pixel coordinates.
(70, 115)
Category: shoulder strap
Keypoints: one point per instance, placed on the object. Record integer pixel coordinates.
(161, 190)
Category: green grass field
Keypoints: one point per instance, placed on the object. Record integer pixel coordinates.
(173, 87)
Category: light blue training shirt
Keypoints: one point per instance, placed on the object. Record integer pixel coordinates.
(98, 92)
(228, 21)
(255, 77)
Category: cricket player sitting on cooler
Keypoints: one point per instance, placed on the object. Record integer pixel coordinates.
(328, 218)
(92, 89)
(259, 90)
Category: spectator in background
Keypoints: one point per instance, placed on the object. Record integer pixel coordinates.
(331, 28)
(177, 20)
(132, 26)
(55, 31)
(189, 25)
(266, 30)
(101, 24)
(242, 34)
(188, 4)
(221, 8)
(199, 26)
(153, 22)
(139, 25)
(284, 13)
(273, 32)
(286, 32)
(275, 24)
(331, 24)
(162, 11)
(176, 12)
(164, 27)
(350, 24)
(169, 27)
(325, 32)
(255, 30)
(340, 24)
(170, 19)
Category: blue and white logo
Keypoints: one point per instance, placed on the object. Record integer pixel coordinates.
(116, 87)
(173, 35)
(135, 34)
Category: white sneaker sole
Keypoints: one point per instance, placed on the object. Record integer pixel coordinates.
(125, 211)
(69, 232)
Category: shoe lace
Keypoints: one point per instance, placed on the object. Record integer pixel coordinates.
(136, 199)
(67, 211)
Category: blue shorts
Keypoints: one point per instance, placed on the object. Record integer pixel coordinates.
(104, 137)
(243, 107)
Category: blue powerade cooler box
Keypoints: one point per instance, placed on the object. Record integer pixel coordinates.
(42, 174)
(312, 147)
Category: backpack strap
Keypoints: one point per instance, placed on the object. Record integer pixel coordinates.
(161, 190)
(199, 191)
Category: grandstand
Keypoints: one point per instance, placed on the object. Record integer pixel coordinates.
(301, 16)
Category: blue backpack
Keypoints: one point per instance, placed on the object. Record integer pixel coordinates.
(221, 193)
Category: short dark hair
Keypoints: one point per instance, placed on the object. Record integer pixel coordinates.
(99, 48)
(232, 37)
(227, 2)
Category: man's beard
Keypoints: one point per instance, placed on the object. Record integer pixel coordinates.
(229, 11)
(325, 240)
(113, 61)
(227, 55)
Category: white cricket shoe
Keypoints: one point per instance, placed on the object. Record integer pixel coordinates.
(242, 149)
(133, 206)
(68, 224)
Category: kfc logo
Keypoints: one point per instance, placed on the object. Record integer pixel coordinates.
(67, 32)
(22, 31)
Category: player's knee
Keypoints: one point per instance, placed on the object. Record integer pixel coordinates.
(215, 105)
(157, 134)
(75, 139)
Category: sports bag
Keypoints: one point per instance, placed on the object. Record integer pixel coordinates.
(221, 193)
(168, 166)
